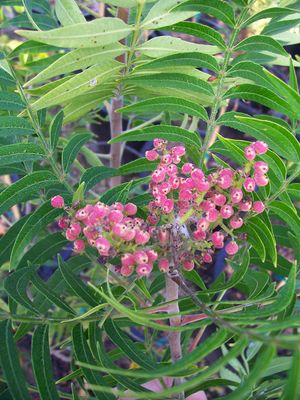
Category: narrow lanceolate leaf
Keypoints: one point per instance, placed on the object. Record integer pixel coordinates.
(261, 95)
(40, 218)
(94, 175)
(165, 45)
(166, 103)
(168, 132)
(83, 354)
(120, 193)
(164, 13)
(252, 71)
(41, 363)
(76, 285)
(263, 360)
(16, 285)
(292, 387)
(217, 8)
(287, 214)
(137, 166)
(197, 60)
(21, 152)
(10, 363)
(6, 79)
(261, 43)
(79, 84)
(68, 12)
(271, 12)
(78, 59)
(205, 32)
(97, 33)
(11, 101)
(25, 189)
(72, 149)
(279, 139)
(55, 129)
(10, 126)
(173, 81)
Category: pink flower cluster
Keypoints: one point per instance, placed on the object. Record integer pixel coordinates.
(192, 214)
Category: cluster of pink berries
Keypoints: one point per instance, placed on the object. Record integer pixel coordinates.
(190, 217)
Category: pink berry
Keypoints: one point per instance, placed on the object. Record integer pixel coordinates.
(260, 147)
(185, 194)
(79, 246)
(158, 176)
(57, 202)
(151, 155)
(130, 209)
(178, 151)
(152, 255)
(129, 234)
(174, 182)
(165, 188)
(258, 207)
(127, 260)
(166, 159)
(202, 185)
(236, 195)
(197, 174)
(164, 264)
(212, 215)
(219, 199)
(163, 236)
(144, 269)
(260, 168)
(245, 205)
(261, 180)
(249, 152)
(81, 214)
(103, 246)
(207, 258)
(115, 216)
(231, 248)
(168, 206)
(70, 236)
(119, 229)
(75, 229)
(236, 222)
(126, 270)
(188, 265)
(187, 168)
(118, 206)
(140, 257)
(199, 235)
(172, 170)
(159, 143)
(226, 211)
(63, 223)
(249, 185)
(142, 237)
(217, 239)
(203, 224)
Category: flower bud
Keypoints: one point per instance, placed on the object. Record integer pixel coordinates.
(57, 202)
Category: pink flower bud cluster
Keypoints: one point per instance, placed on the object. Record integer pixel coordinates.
(192, 213)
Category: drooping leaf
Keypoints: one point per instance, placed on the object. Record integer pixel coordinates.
(96, 33)
(137, 166)
(10, 363)
(68, 12)
(25, 189)
(287, 214)
(55, 129)
(41, 363)
(167, 103)
(21, 152)
(261, 43)
(72, 149)
(94, 175)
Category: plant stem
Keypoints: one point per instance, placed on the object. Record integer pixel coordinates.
(217, 101)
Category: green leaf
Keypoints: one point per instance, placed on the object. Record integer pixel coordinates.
(55, 129)
(29, 12)
(40, 218)
(293, 190)
(291, 388)
(25, 189)
(217, 8)
(16, 287)
(260, 95)
(165, 45)
(168, 132)
(78, 59)
(83, 354)
(293, 82)
(68, 12)
(11, 101)
(197, 60)
(205, 32)
(76, 285)
(10, 363)
(78, 84)
(271, 12)
(97, 33)
(94, 175)
(137, 166)
(7, 241)
(41, 363)
(250, 70)
(164, 13)
(21, 152)
(166, 103)
(244, 390)
(279, 139)
(6, 79)
(10, 126)
(72, 149)
(287, 214)
(261, 43)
